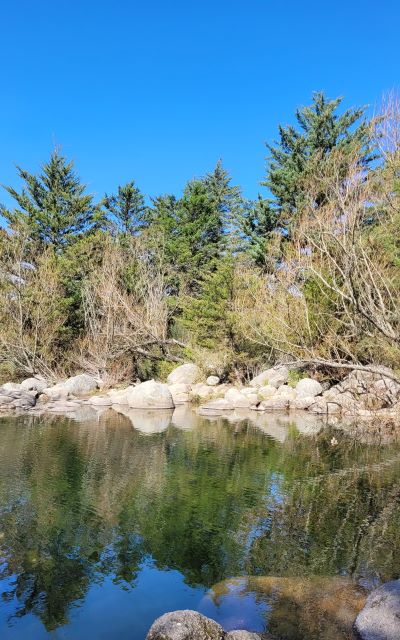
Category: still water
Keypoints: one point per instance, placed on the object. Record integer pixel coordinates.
(109, 520)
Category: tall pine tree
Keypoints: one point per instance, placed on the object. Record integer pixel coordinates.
(127, 209)
(53, 205)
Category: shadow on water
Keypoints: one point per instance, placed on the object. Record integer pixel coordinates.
(111, 518)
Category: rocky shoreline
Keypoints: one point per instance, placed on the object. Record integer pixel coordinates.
(361, 394)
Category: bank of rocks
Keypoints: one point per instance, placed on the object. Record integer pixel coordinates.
(360, 394)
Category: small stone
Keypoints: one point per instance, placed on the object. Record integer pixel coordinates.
(212, 381)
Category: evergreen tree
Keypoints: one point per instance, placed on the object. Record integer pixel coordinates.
(53, 205)
(127, 209)
(228, 201)
(260, 228)
(321, 129)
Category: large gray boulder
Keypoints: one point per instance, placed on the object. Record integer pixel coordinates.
(150, 395)
(308, 387)
(380, 618)
(191, 625)
(185, 625)
(79, 385)
(17, 399)
(186, 373)
(34, 384)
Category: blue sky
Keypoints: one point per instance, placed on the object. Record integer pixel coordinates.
(157, 91)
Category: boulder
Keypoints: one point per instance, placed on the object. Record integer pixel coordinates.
(212, 381)
(186, 373)
(284, 391)
(308, 387)
(380, 618)
(185, 625)
(119, 396)
(274, 404)
(302, 403)
(202, 391)
(10, 386)
(34, 384)
(191, 625)
(266, 392)
(17, 399)
(150, 395)
(249, 390)
(79, 385)
(276, 376)
(216, 407)
(238, 399)
(179, 392)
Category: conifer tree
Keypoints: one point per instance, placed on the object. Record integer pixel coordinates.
(127, 209)
(228, 200)
(320, 130)
(53, 205)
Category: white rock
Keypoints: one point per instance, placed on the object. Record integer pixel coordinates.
(150, 395)
(266, 392)
(303, 402)
(100, 401)
(237, 399)
(119, 396)
(34, 384)
(308, 387)
(274, 404)
(212, 381)
(10, 386)
(179, 392)
(216, 407)
(186, 373)
(249, 390)
(80, 385)
(203, 391)
(380, 618)
(285, 391)
(276, 376)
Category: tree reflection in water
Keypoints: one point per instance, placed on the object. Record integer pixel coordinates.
(82, 501)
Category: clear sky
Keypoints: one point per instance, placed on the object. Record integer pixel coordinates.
(157, 91)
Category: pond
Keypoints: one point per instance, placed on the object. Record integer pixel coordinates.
(109, 520)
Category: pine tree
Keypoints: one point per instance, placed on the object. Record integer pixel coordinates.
(228, 201)
(127, 209)
(321, 129)
(260, 228)
(53, 205)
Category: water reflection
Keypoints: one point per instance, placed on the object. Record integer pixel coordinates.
(122, 516)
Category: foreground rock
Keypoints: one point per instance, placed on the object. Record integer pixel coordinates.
(150, 395)
(16, 398)
(380, 618)
(191, 625)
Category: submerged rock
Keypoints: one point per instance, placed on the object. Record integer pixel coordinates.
(298, 607)
(380, 618)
